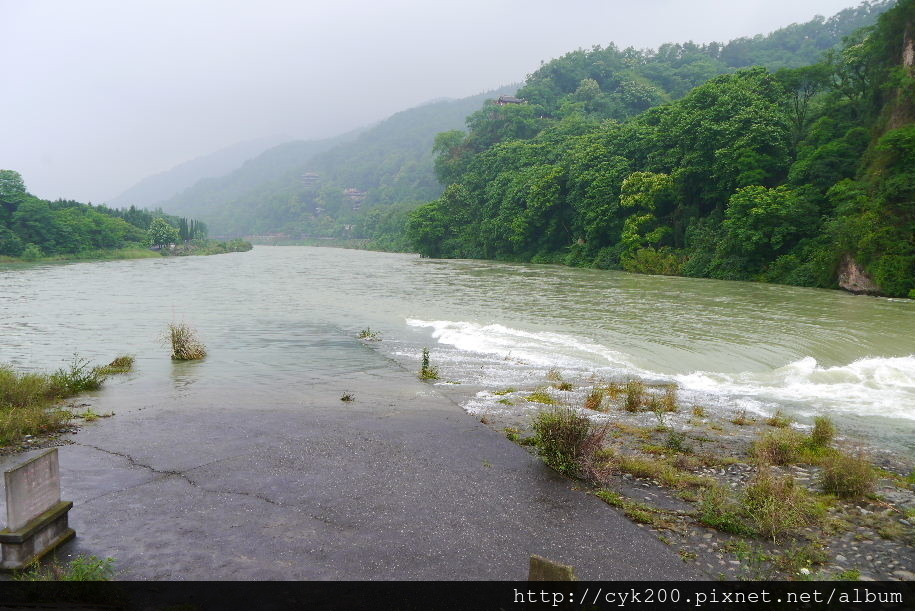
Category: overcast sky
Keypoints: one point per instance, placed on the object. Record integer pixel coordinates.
(100, 94)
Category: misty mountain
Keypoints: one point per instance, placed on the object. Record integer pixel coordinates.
(309, 187)
(162, 186)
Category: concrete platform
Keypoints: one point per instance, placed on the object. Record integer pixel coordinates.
(399, 484)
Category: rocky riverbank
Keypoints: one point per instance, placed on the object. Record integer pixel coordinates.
(736, 495)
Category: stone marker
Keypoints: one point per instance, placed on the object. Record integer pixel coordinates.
(36, 518)
(546, 570)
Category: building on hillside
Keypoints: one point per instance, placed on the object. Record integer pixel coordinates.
(355, 196)
(504, 100)
(310, 179)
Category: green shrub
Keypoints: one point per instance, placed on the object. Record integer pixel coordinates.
(665, 262)
(32, 252)
(847, 476)
(79, 377)
(567, 441)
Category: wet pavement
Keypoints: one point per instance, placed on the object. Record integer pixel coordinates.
(398, 484)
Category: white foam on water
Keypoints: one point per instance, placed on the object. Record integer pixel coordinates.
(879, 386)
(493, 354)
(545, 349)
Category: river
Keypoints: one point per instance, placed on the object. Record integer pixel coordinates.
(276, 317)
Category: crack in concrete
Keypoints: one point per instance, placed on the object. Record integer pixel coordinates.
(179, 474)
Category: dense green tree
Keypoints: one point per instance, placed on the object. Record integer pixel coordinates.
(34, 223)
(761, 224)
(161, 233)
(12, 188)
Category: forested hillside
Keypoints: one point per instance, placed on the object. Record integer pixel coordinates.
(233, 201)
(799, 175)
(31, 228)
(324, 189)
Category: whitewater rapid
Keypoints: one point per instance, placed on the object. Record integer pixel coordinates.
(495, 356)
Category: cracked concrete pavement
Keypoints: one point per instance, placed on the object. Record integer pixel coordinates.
(237, 482)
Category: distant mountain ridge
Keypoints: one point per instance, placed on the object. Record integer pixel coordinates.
(390, 162)
(164, 185)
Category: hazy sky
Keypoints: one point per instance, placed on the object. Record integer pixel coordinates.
(99, 94)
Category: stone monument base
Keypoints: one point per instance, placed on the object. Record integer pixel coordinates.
(47, 531)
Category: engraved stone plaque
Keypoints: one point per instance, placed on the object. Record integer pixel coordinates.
(32, 488)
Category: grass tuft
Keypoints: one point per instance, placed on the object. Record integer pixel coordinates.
(26, 405)
(678, 442)
(640, 513)
(770, 507)
(741, 418)
(824, 432)
(122, 364)
(776, 506)
(541, 396)
(81, 568)
(669, 401)
(780, 447)
(186, 346)
(27, 400)
(719, 509)
(847, 476)
(635, 396)
(595, 400)
(779, 420)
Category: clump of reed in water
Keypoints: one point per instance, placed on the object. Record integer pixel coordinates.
(186, 346)
(122, 364)
(427, 371)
